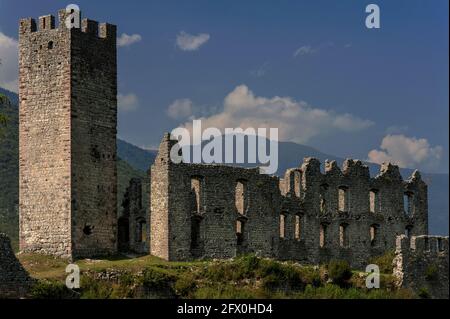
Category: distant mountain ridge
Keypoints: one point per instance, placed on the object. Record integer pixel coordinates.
(292, 155)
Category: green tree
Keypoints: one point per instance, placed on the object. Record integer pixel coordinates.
(3, 118)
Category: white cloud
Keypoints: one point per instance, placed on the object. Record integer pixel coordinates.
(296, 120)
(126, 40)
(189, 42)
(9, 63)
(127, 102)
(180, 109)
(304, 50)
(310, 50)
(407, 152)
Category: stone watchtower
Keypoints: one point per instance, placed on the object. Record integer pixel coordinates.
(68, 126)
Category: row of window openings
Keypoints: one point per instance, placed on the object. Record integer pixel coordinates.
(374, 201)
(241, 199)
(343, 232)
(440, 245)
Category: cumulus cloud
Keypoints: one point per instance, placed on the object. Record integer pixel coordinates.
(189, 42)
(180, 109)
(126, 40)
(408, 152)
(127, 102)
(296, 120)
(9, 63)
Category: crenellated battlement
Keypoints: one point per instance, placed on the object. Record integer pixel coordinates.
(421, 263)
(356, 168)
(424, 244)
(67, 78)
(87, 26)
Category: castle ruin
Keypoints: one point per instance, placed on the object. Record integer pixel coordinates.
(421, 263)
(67, 137)
(219, 211)
(68, 179)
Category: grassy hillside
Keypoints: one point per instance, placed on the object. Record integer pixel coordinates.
(9, 170)
(138, 158)
(244, 277)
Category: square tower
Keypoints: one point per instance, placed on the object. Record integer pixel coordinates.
(67, 137)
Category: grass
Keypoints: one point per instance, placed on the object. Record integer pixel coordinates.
(244, 277)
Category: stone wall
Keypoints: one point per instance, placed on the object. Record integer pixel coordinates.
(133, 224)
(68, 120)
(14, 280)
(219, 211)
(421, 263)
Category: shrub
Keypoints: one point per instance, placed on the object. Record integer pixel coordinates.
(423, 293)
(46, 289)
(384, 262)
(248, 265)
(95, 289)
(276, 276)
(155, 279)
(431, 273)
(185, 286)
(339, 272)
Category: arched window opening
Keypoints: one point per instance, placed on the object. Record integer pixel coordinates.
(323, 235)
(374, 203)
(241, 198)
(374, 230)
(343, 199)
(343, 235)
(283, 225)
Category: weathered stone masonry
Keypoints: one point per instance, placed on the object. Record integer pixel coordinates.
(133, 226)
(421, 263)
(218, 211)
(68, 183)
(68, 120)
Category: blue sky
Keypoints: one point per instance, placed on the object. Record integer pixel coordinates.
(378, 94)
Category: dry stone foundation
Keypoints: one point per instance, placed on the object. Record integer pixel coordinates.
(421, 263)
(14, 280)
(68, 121)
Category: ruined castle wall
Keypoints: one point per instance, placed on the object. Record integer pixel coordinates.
(45, 138)
(14, 280)
(340, 222)
(133, 224)
(218, 213)
(68, 112)
(159, 202)
(202, 212)
(93, 128)
(421, 263)
(308, 216)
